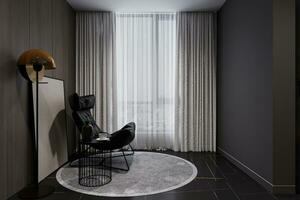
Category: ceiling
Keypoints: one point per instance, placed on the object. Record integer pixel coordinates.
(146, 5)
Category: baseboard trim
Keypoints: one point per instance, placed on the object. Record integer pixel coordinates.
(275, 189)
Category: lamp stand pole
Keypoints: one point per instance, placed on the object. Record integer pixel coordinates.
(36, 191)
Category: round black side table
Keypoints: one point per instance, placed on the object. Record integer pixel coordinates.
(94, 164)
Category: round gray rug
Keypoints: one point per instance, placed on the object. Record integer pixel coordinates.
(150, 173)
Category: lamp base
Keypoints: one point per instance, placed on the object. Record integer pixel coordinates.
(36, 192)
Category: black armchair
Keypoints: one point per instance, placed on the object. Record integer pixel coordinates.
(81, 106)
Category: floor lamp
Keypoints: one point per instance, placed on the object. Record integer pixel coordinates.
(32, 65)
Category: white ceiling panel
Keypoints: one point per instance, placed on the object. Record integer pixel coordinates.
(146, 5)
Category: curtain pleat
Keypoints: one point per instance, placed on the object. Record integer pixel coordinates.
(195, 83)
(96, 65)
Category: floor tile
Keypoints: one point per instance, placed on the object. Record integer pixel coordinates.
(51, 181)
(195, 185)
(217, 179)
(217, 172)
(203, 169)
(226, 195)
(242, 184)
(218, 184)
(58, 196)
(183, 196)
(223, 164)
(257, 197)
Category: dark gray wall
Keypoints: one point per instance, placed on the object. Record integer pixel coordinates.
(245, 83)
(298, 94)
(256, 89)
(47, 24)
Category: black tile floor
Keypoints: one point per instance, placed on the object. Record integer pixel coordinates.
(217, 179)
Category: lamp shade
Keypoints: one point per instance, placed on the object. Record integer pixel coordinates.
(32, 57)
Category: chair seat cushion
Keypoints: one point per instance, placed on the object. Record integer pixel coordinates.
(118, 139)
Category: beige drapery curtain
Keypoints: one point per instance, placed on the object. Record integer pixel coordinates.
(96, 65)
(196, 82)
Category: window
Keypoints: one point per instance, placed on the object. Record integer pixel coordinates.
(146, 49)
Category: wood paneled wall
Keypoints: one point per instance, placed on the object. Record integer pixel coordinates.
(24, 24)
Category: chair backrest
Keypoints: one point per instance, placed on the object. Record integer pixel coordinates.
(81, 106)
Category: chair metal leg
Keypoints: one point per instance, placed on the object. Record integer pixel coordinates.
(127, 154)
(127, 166)
(124, 156)
(131, 150)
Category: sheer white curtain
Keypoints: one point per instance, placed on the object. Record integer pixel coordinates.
(156, 69)
(145, 52)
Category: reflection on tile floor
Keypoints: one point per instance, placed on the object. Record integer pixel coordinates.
(217, 179)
